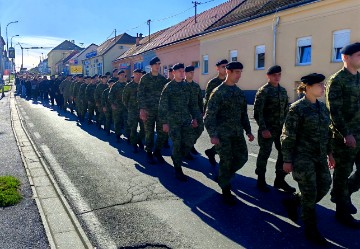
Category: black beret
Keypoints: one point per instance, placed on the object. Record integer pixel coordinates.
(104, 77)
(312, 78)
(138, 70)
(100, 76)
(107, 73)
(351, 49)
(143, 72)
(115, 69)
(224, 61)
(93, 77)
(80, 76)
(171, 69)
(189, 69)
(274, 69)
(112, 80)
(178, 66)
(120, 72)
(154, 60)
(234, 65)
(74, 77)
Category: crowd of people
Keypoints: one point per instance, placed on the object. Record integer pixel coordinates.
(311, 137)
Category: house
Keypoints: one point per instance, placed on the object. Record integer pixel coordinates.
(76, 63)
(59, 53)
(302, 36)
(100, 61)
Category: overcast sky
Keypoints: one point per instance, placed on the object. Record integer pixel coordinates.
(47, 23)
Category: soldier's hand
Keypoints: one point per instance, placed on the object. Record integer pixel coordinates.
(215, 140)
(350, 141)
(104, 109)
(287, 167)
(331, 161)
(165, 128)
(194, 123)
(266, 134)
(251, 137)
(143, 115)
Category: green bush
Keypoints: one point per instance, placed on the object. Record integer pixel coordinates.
(9, 191)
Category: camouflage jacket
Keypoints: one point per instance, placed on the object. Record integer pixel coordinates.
(98, 92)
(197, 95)
(150, 88)
(129, 97)
(81, 96)
(306, 131)
(90, 93)
(343, 101)
(211, 85)
(105, 99)
(226, 113)
(115, 95)
(176, 106)
(270, 107)
(75, 88)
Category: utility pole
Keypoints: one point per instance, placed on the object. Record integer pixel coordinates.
(195, 5)
(115, 36)
(148, 23)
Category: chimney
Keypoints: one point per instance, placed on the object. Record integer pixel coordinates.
(137, 39)
(140, 35)
(73, 41)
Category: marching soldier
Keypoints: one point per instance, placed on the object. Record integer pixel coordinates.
(131, 103)
(97, 96)
(90, 98)
(342, 100)
(305, 144)
(178, 113)
(150, 88)
(198, 99)
(226, 119)
(270, 109)
(211, 85)
(82, 103)
(106, 105)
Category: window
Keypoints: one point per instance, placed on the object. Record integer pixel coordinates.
(99, 68)
(341, 38)
(195, 64)
(303, 51)
(205, 64)
(260, 57)
(233, 55)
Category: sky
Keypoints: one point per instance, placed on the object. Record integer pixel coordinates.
(47, 23)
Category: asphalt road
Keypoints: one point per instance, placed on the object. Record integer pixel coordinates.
(122, 202)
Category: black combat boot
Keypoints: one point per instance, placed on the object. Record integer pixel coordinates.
(261, 183)
(117, 138)
(312, 234)
(179, 174)
(135, 149)
(141, 145)
(89, 122)
(343, 216)
(194, 151)
(292, 205)
(350, 207)
(150, 158)
(228, 198)
(158, 156)
(211, 155)
(280, 183)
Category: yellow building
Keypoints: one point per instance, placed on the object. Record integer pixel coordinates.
(301, 36)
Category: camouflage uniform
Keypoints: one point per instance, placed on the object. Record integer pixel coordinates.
(65, 89)
(305, 143)
(90, 99)
(118, 108)
(270, 109)
(150, 88)
(343, 102)
(81, 103)
(133, 119)
(198, 100)
(177, 108)
(108, 113)
(226, 118)
(100, 116)
(74, 92)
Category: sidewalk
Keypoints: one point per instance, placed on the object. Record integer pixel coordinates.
(43, 219)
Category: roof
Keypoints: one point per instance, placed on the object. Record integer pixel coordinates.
(83, 50)
(119, 39)
(251, 9)
(66, 45)
(185, 29)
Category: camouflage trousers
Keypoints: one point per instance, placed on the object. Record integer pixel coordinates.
(344, 184)
(133, 122)
(66, 101)
(149, 132)
(183, 140)
(100, 115)
(120, 122)
(108, 119)
(81, 108)
(314, 180)
(233, 155)
(265, 145)
(198, 130)
(91, 110)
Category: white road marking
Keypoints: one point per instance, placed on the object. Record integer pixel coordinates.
(31, 125)
(37, 135)
(26, 117)
(101, 235)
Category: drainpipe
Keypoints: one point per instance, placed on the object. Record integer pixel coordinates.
(275, 26)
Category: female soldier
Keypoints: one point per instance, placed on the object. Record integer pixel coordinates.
(305, 144)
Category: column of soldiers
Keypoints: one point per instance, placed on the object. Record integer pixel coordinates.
(310, 137)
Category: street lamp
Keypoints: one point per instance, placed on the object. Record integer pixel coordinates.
(7, 42)
(12, 38)
(12, 59)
